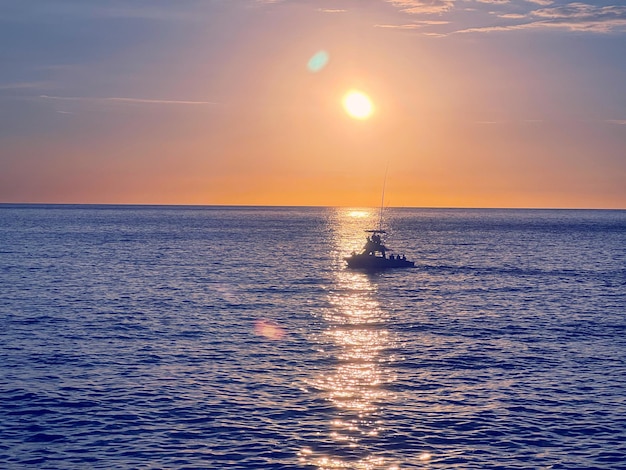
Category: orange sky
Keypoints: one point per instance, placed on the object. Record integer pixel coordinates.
(216, 105)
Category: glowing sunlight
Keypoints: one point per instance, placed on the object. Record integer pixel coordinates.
(358, 105)
(361, 346)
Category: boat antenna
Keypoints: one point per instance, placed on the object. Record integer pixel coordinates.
(382, 201)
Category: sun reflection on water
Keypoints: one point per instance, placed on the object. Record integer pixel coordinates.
(360, 345)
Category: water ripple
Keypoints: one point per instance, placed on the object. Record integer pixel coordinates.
(146, 338)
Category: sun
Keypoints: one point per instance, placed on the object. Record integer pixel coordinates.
(358, 105)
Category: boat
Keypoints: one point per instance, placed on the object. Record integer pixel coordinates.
(374, 257)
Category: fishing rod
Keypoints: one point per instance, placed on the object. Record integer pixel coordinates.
(382, 201)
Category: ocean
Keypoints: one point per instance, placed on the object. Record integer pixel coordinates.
(144, 337)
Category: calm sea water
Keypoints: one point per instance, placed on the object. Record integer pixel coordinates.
(234, 338)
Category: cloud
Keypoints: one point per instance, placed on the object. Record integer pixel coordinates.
(139, 100)
(423, 6)
(621, 122)
(126, 100)
(399, 26)
(576, 17)
(538, 15)
(581, 26)
(52, 11)
(582, 11)
(512, 16)
(329, 10)
(22, 85)
(414, 25)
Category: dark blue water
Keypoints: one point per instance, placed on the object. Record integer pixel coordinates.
(190, 337)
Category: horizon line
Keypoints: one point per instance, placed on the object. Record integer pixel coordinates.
(303, 206)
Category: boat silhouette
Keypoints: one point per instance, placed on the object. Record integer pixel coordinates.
(373, 256)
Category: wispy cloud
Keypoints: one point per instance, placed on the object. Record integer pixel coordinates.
(621, 122)
(399, 26)
(512, 16)
(22, 85)
(423, 6)
(414, 25)
(579, 17)
(147, 101)
(516, 15)
(50, 11)
(514, 122)
(126, 100)
(574, 26)
(582, 11)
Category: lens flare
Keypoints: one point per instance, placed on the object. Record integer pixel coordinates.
(318, 61)
(269, 330)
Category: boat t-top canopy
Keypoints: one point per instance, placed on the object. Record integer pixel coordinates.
(376, 231)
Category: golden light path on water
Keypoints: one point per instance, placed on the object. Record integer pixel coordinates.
(358, 337)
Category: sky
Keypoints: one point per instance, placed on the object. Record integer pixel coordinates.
(476, 103)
